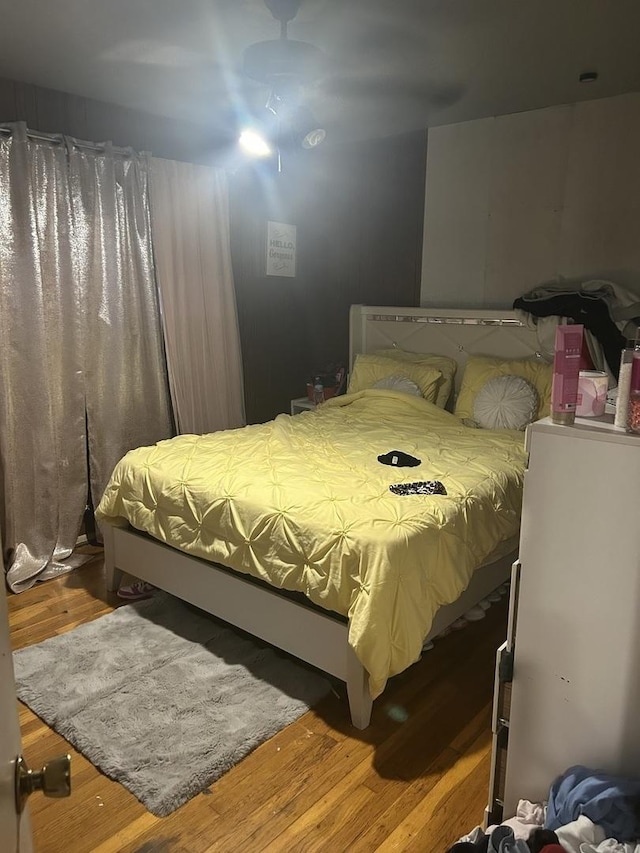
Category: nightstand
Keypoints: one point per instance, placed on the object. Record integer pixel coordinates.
(301, 404)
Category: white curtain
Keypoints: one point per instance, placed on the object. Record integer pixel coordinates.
(190, 225)
(80, 340)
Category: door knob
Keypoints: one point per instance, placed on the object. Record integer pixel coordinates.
(54, 780)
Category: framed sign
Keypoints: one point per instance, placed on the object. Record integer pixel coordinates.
(281, 249)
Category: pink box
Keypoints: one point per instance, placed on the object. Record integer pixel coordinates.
(566, 369)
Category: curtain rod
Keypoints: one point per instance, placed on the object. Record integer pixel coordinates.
(58, 139)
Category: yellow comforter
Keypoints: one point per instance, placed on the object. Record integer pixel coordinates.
(303, 503)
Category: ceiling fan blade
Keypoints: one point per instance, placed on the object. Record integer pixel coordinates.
(390, 88)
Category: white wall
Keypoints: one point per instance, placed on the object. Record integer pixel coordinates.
(514, 201)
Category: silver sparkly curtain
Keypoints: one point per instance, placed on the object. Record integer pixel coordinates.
(124, 369)
(79, 340)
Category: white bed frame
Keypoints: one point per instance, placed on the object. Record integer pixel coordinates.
(313, 636)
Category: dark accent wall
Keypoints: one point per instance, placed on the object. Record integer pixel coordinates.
(51, 111)
(359, 216)
(359, 213)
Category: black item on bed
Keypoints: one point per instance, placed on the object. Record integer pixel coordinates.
(399, 459)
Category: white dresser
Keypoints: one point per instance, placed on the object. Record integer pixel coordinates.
(574, 627)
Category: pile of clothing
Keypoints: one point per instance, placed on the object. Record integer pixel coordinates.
(588, 812)
(609, 313)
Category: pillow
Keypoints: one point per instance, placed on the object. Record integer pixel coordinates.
(480, 368)
(447, 367)
(399, 383)
(505, 402)
(369, 369)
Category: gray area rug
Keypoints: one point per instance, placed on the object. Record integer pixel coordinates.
(161, 697)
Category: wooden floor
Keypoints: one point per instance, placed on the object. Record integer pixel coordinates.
(414, 784)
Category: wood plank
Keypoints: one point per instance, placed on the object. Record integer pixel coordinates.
(529, 167)
(424, 827)
(131, 833)
(389, 817)
(462, 811)
(519, 200)
(601, 212)
(311, 834)
(56, 620)
(319, 784)
(457, 214)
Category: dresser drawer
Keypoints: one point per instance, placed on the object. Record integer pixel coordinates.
(500, 727)
(504, 703)
(495, 806)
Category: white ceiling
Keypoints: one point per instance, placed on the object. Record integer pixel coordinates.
(394, 65)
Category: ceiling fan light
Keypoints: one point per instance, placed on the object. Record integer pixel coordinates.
(314, 137)
(254, 143)
(306, 128)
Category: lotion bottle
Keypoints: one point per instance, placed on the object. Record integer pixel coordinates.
(633, 414)
(566, 371)
(624, 386)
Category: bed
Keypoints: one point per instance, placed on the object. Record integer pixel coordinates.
(289, 530)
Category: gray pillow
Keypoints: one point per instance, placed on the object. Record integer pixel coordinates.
(399, 383)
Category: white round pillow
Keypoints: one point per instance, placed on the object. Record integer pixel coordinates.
(399, 383)
(505, 402)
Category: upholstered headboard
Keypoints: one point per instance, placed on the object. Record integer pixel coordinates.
(457, 333)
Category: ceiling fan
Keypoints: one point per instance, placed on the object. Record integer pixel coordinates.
(286, 67)
(385, 75)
